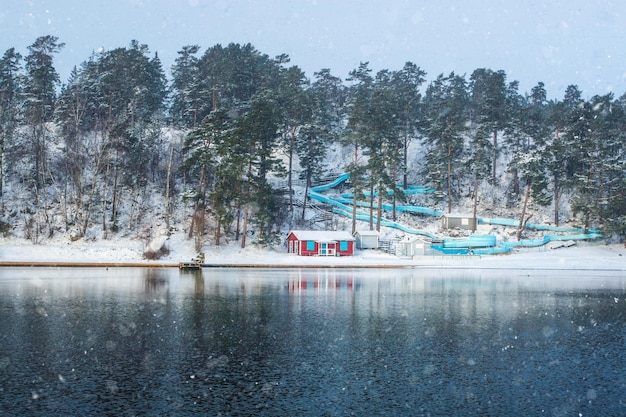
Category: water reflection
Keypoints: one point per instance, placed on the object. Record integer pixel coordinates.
(309, 342)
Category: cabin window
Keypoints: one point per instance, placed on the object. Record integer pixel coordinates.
(310, 245)
(343, 245)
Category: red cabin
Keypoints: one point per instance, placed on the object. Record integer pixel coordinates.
(320, 243)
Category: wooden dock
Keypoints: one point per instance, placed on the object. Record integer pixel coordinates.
(195, 264)
(189, 266)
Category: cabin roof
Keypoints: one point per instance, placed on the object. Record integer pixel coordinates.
(322, 235)
(458, 215)
(367, 232)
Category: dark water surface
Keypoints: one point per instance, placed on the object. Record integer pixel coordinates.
(310, 342)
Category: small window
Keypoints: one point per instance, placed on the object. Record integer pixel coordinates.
(310, 245)
(343, 245)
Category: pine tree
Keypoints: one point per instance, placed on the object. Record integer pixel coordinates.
(488, 108)
(297, 108)
(326, 96)
(185, 88)
(357, 128)
(11, 81)
(204, 146)
(613, 144)
(445, 108)
(40, 96)
(385, 139)
(407, 83)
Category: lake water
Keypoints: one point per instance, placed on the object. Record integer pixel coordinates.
(310, 342)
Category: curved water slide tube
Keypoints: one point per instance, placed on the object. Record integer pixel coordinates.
(475, 244)
(343, 206)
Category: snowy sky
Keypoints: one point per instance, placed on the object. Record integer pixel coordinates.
(559, 42)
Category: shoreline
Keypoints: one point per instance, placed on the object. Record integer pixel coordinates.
(158, 265)
(129, 253)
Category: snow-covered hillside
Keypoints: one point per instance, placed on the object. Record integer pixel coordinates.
(146, 209)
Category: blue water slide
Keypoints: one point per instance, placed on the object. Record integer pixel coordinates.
(529, 243)
(494, 250)
(389, 207)
(473, 241)
(346, 211)
(474, 244)
(341, 178)
(544, 227)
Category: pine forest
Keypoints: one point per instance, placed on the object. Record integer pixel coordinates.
(217, 144)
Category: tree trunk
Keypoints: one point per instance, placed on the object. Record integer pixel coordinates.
(495, 156)
(199, 203)
(289, 172)
(394, 201)
(522, 223)
(354, 213)
(355, 182)
(515, 182)
(557, 197)
(238, 224)
(167, 190)
(379, 209)
(475, 223)
(199, 229)
(405, 174)
(193, 220)
(371, 206)
(115, 185)
(244, 231)
(306, 192)
(449, 179)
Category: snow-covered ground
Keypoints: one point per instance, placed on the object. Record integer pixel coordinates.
(581, 257)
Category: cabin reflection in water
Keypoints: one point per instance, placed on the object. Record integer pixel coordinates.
(321, 280)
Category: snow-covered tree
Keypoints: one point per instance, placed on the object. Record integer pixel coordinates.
(488, 108)
(325, 96)
(185, 88)
(445, 106)
(11, 80)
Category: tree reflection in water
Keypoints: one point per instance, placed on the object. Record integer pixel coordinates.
(309, 342)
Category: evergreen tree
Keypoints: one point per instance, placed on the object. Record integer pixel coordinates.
(204, 147)
(529, 160)
(515, 141)
(445, 108)
(479, 162)
(186, 97)
(326, 96)
(231, 76)
(259, 127)
(585, 134)
(357, 128)
(528, 135)
(383, 144)
(11, 81)
(614, 202)
(407, 83)
(111, 112)
(39, 100)
(297, 109)
(609, 172)
(488, 108)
